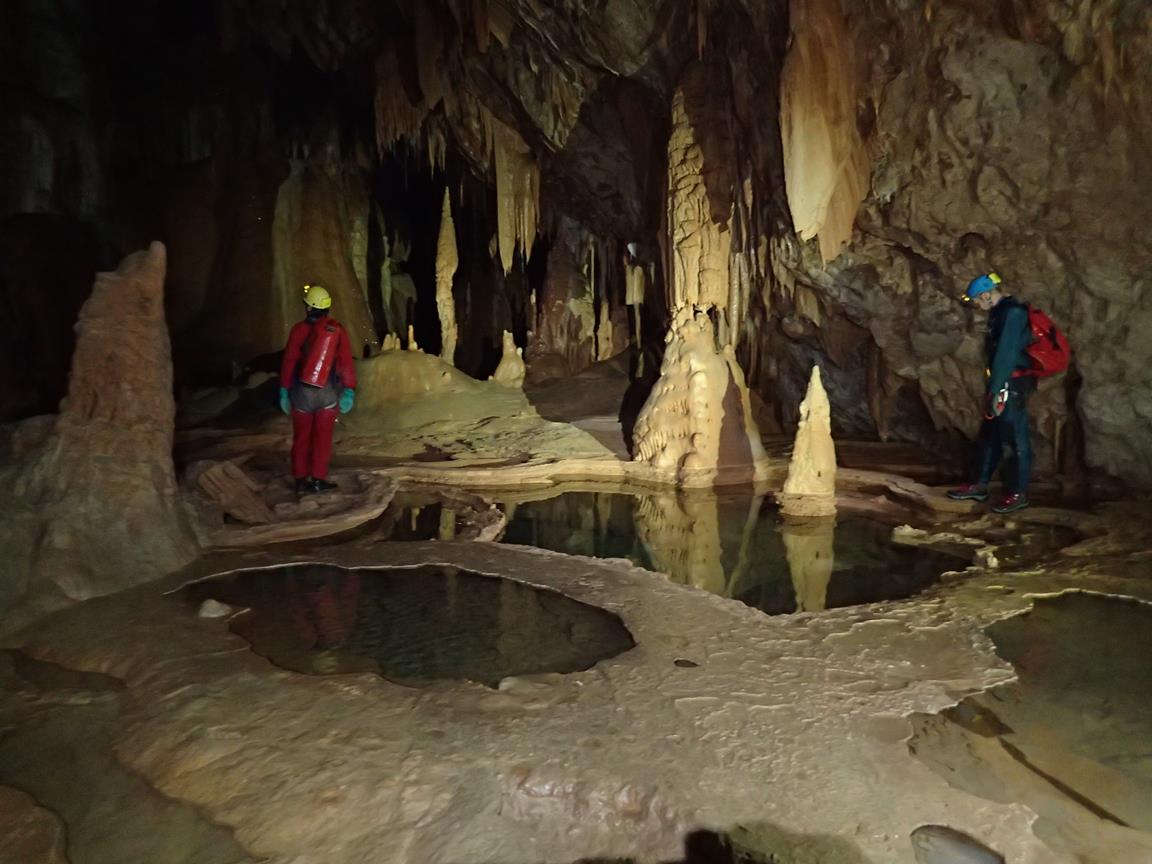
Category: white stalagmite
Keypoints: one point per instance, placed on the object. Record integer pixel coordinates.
(412, 346)
(447, 260)
(810, 489)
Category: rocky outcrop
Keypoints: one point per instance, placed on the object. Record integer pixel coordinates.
(1007, 138)
(32, 834)
(95, 508)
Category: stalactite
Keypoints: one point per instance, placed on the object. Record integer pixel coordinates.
(447, 260)
(429, 54)
(397, 119)
(826, 164)
(517, 193)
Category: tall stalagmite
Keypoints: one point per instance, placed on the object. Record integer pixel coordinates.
(95, 509)
(697, 423)
(810, 489)
(447, 261)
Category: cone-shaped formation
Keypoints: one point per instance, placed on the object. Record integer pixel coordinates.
(447, 261)
(511, 370)
(810, 489)
(697, 422)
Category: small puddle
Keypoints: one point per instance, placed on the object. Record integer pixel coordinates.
(1072, 738)
(413, 624)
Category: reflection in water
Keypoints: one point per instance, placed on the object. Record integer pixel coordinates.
(414, 624)
(733, 545)
(808, 545)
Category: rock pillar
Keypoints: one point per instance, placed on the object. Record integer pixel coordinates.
(447, 261)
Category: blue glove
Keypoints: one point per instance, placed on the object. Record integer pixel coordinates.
(285, 402)
(346, 400)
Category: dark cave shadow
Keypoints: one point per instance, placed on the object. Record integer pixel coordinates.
(711, 847)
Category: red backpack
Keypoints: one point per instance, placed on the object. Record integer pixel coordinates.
(1049, 350)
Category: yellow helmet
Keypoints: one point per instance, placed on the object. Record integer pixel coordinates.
(317, 297)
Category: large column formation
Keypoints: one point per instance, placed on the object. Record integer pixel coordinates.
(697, 424)
(447, 260)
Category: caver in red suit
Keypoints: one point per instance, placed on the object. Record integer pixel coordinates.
(317, 379)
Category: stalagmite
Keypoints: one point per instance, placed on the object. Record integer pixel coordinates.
(699, 248)
(446, 263)
(697, 422)
(809, 545)
(826, 164)
(412, 346)
(511, 370)
(810, 489)
(391, 343)
(96, 508)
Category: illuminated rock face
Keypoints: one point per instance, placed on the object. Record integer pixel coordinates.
(810, 489)
(825, 162)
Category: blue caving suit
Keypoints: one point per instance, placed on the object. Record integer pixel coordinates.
(1006, 438)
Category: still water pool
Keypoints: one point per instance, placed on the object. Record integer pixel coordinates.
(737, 546)
(413, 624)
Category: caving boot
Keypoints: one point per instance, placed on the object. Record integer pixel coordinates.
(304, 486)
(322, 485)
(969, 492)
(1011, 502)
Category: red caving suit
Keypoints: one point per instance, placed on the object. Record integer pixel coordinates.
(314, 408)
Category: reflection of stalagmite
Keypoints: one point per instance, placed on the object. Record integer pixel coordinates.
(511, 370)
(809, 546)
(810, 489)
(682, 536)
(446, 263)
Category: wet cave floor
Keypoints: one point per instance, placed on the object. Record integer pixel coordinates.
(627, 677)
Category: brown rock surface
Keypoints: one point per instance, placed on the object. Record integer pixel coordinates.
(31, 834)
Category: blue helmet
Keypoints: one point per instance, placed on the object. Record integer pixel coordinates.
(982, 285)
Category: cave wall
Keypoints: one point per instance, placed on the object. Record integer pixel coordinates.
(864, 160)
(1011, 137)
